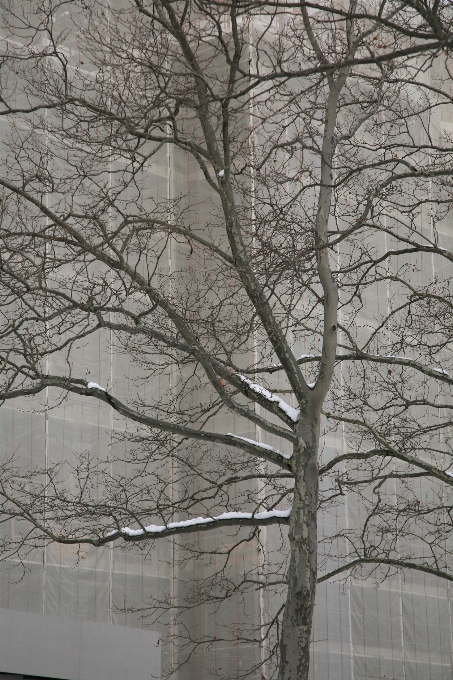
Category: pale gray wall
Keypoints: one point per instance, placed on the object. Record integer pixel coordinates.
(72, 649)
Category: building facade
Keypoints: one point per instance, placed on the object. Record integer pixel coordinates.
(100, 599)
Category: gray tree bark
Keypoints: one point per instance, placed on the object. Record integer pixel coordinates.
(210, 100)
(298, 615)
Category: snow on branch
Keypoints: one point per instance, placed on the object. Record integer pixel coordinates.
(441, 370)
(290, 411)
(95, 386)
(437, 373)
(148, 531)
(407, 361)
(262, 446)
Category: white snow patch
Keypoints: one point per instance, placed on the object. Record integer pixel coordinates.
(389, 356)
(156, 528)
(95, 386)
(221, 173)
(262, 446)
(110, 533)
(266, 514)
(449, 473)
(441, 370)
(291, 412)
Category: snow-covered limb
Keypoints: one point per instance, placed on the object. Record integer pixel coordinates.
(387, 356)
(95, 386)
(262, 446)
(442, 374)
(441, 370)
(230, 517)
(396, 359)
(98, 392)
(406, 361)
(290, 411)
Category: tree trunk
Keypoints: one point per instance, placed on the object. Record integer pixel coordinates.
(302, 575)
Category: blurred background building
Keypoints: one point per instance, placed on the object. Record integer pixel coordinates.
(399, 630)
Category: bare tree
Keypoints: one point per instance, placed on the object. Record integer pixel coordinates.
(313, 133)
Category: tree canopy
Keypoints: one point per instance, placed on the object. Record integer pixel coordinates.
(248, 204)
